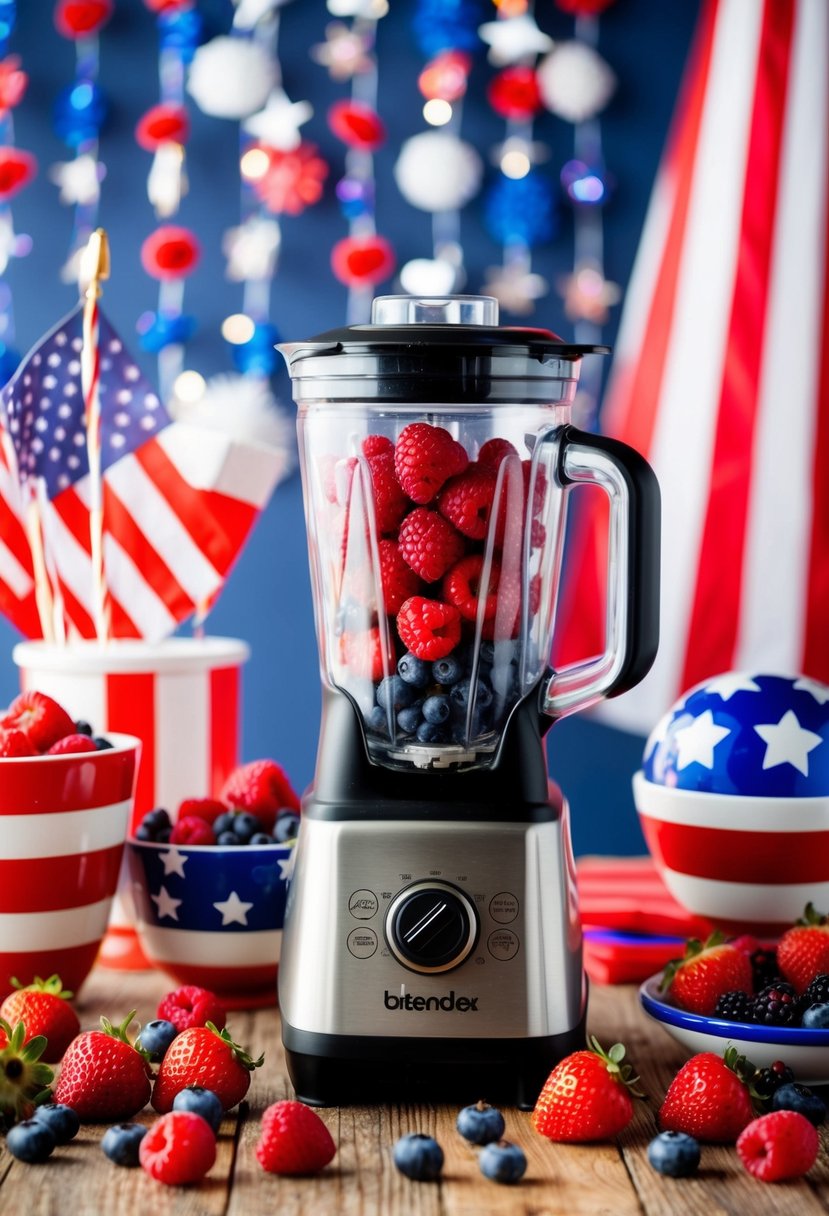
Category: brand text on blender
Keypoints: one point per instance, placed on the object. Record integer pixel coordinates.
(461, 1004)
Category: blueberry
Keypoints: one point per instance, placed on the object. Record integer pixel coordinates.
(377, 720)
(163, 835)
(413, 670)
(121, 1141)
(394, 693)
(142, 832)
(486, 653)
(101, 743)
(202, 1102)
(246, 825)
(461, 693)
(419, 1157)
(448, 670)
(156, 1037)
(32, 1140)
(60, 1119)
(152, 823)
(436, 710)
(228, 838)
(286, 827)
(410, 718)
(674, 1154)
(261, 838)
(501, 1161)
(83, 728)
(800, 1098)
(430, 732)
(224, 822)
(816, 1017)
(480, 1123)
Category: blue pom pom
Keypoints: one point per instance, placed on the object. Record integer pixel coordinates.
(79, 113)
(448, 25)
(158, 331)
(181, 30)
(585, 185)
(257, 356)
(355, 196)
(520, 210)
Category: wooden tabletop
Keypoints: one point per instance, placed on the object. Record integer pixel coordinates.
(561, 1180)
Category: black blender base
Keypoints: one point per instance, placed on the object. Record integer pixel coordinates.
(343, 1070)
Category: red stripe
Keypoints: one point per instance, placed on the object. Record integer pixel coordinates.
(62, 882)
(224, 725)
(772, 858)
(712, 635)
(75, 612)
(75, 516)
(73, 964)
(130, 700)
(123, 528)
(66, 783)
(14, 535)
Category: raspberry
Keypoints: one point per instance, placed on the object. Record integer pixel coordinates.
(429, 544)
(15, 743)
(40, 718)
(429, 628)
(375, 445)
(72, 744)
(461, 587)
(425, 457)
(294, 1140)
(207, 809)
(539, 485)
(390, 502)
(178, 1148)
(192, 830)
(777, 1005)
(466, 500)
(735, 1006)
(781, 1145)
(362, 651)
(398, 579)
(191, 1006)
(494, 451)
(261, 787)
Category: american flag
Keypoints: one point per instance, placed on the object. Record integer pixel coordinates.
(721, 371)
(178, 501)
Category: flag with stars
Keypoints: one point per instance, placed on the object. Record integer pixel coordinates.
(178, 501)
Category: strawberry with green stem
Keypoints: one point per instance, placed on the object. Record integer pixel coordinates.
(706, 972)
(588, 1096)
(206, 1056)
(44, 1006)
(104, 1077)
(803, 950)
(24, 1080)
(711, 1097)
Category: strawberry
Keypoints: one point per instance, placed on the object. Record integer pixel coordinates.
(261, 787)
(429, 544)
(23, 1078)
(103, 1077)
(40, 718)
(71, 744)
(398, 580)
(587, 1096)
(425, 457)
(698, 980)
(191, 1006)
(208, 809)
(709, 1097)
(178, 1148)
(390, 502)
(803, 950)
(428, 628)
(294, 1140)
(45, 1009)
(15, 743)
(781, 1145)
(208, 1057)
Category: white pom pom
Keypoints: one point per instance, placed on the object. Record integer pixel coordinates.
(575, 82)
(436, 171)
(231, 77)
(242, 407)
(428, 277)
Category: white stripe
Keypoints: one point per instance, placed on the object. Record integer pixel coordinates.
(13, 574)
(729, 900)
(687, 408)
(210, 460)
(82, 696)
(71, 559)
(732, 813)
(145, 608)
(776, 557)
(256, 948)
(53, 930)
(182, 738)
(63, 833)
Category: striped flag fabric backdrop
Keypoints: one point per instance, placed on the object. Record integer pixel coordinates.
(721, 370)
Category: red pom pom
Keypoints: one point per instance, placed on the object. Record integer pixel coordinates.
(514, 93)
(583, 8)
(17, 168)
(445, 76)
(79, 18)
(167, 6)
(357, 125)
(292, 181)
(162, 124)
(362, 261)
(13, 82)
(170, 253)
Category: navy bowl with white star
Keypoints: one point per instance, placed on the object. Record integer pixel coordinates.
(213, 915)
(733, 799)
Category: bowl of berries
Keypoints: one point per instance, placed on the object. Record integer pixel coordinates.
(733, 799)
(65, 802)
(209, 884)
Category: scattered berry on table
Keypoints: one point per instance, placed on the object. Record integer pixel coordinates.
(191, 1005)
(800, 1098)
(202, 1102)
(32, 1141)
(735, 1006)
(61, 1120)
(262, 787)
(777, 1005)
(203, 1055)
(23, 1077)
(425, 457)
(155, 1037)
(429, 628)
(286, 827)
(203, 808)
(803, 950)
(178, 1148)
(72, 744)
(44, 1007)
(192, 831)
(705, 973)
(481, 1123)
(781, 1145)
(415, 671)
(103, 1077)
(429, 544)
(293, 1140)
(587, 1096)
(501, 1161)
(675, 1154)
(419, 1157)
(40, 718)
(121, 1142)
(766, 1080)
(816, 1017)
(709, 1097)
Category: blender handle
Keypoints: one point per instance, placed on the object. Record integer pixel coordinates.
(632, 611)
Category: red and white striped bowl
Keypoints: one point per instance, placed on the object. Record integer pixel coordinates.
(744, 862)
(63, 823)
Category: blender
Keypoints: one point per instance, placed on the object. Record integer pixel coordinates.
(432, 942)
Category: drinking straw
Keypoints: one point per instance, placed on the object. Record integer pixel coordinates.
(94, 268)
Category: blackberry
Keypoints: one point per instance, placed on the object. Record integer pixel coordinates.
(777, 1005)
(736, 1006)
(764, 968)
(766, 1081)
(818, 992)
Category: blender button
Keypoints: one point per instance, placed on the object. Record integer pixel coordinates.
(503, 944)
(503, 907)
(362, 905)
(362, 943)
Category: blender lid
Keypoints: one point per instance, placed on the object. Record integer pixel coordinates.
(442, 348)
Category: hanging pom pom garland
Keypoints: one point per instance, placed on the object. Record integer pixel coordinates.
(17, 168)
(231, 77)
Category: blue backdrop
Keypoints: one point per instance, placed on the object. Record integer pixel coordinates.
(267, 600)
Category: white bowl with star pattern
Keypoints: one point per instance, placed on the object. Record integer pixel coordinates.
(733, 799)
(212, 915)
